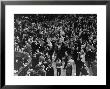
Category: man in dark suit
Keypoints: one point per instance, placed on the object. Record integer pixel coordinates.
(34, 61)
(33, 45)
(58, 66)
(90, 57)
(65, 60)
(79, 65)
(49, 70)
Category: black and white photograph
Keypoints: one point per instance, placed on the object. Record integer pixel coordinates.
(55, 44)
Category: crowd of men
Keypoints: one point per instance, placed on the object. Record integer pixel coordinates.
(58, 39)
